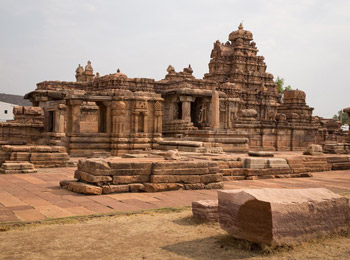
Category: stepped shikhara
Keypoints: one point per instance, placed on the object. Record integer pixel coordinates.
(235, 107)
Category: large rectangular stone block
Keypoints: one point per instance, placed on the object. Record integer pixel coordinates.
(277, 163)
(282, 216)
(106, 189)
(118, 164)
(93, 179)
(255, 163)
(175, 179)
(130, 172)
(205, 210)
(80, 187)
(183, 165)
(211, 178)
(154, 187)
(130, 179)
(181, 171)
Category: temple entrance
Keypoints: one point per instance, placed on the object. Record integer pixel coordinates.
(179, 110)
(198, 113)
(101, 117)
(51, 121)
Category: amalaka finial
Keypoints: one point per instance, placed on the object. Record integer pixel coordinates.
(240, 27)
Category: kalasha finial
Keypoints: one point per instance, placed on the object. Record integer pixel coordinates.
(118, 70)
(240, 27)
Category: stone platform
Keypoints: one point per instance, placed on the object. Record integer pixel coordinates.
(35, 197)
(103, 176)
(190, 171)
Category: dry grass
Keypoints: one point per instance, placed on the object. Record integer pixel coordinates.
(162, 234)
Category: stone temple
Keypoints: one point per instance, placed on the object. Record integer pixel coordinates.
(236, 107)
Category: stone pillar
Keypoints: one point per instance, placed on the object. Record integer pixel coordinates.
(75, 116)
(59, 118)
(186, 111)
(157, 118)
(215, 110)
(186, 108)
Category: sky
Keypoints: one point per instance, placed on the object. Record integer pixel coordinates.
(305, 42)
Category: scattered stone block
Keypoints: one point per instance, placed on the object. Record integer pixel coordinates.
(277, 163)
(155, 187)
(313, 149)
(172, 155)
(84, 188)
(135, 187)
(255, 163)
(205, 210)
(64, 183)
(282, 216)
(106, 189)
(194, 186)
(86, 177)
(17, 167)
(214, 185)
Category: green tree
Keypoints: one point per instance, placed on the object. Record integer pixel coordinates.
(280, 85)
(342, 117)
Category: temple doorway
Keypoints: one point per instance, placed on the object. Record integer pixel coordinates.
(198, 113)
(51, 119)
(101, 117)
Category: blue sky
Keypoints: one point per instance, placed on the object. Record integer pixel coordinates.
(305, 42)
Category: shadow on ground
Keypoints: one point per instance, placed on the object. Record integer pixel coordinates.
(211, 248)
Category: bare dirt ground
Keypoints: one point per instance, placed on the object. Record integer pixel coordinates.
(157, 234)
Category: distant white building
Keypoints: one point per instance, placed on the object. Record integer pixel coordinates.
(6, 111)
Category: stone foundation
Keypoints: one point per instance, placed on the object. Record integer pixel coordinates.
(113, 176)
(23, 158)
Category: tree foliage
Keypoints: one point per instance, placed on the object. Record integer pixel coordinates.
(280, 85)
(342, 117)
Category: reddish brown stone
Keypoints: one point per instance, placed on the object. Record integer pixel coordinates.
(80, 187)
(282, 216)
(154, 187)
(205, 210)
(106, 189)
(130, 179)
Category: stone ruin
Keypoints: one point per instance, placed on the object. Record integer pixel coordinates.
(276, 216)
(282, 216)
(236, 107)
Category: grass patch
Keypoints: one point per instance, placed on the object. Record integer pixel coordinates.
(78, 219)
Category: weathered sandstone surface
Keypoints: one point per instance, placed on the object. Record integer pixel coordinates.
(282, 216)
